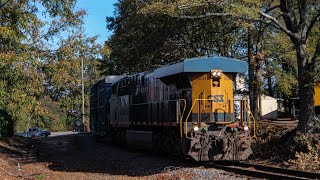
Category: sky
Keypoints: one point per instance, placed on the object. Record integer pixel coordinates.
(95, 20)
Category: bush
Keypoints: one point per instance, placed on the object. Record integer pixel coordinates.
(6, 124)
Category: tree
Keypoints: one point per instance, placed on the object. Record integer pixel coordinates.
(146, 41)
(63, 76)
(281, 67)
(297, 19)
(30, 61)
(300, 18)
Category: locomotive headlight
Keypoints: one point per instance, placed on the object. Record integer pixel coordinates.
(246, 128)
(195, 128)
(214, 74)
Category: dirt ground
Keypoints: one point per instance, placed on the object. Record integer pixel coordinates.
(80, 157)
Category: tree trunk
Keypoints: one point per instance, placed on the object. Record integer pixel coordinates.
(307, 120)
(269, 80)
(256, 89)
(251, 69)
(254, 77)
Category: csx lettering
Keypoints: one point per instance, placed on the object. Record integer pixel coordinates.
(216, 98)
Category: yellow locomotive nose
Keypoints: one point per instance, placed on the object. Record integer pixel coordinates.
(217, 87)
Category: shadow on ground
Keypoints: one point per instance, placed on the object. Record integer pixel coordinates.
(19, 148)
(80, 153)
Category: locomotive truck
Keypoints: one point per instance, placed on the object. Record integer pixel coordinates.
(183, 108)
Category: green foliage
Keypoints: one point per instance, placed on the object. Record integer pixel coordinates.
(40, 176)
(283, 67)
(286, 84)
(144, 41)
(64, 75)
(35, 78)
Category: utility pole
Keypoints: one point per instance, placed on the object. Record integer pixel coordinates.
(82, 84)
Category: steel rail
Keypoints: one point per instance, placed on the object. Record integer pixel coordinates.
(260, 171)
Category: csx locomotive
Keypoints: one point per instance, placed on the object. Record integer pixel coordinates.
(183, 108)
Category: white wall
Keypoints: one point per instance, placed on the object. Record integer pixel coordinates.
(269, 107)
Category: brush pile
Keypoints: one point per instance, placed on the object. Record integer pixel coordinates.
(279, 145)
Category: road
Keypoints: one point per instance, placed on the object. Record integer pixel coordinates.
(60, 133)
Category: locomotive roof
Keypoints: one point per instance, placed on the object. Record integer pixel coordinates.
(112, 79)
(202, 64)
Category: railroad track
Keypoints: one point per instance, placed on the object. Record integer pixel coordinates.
(260, 171)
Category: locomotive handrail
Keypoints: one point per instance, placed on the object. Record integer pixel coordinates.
(186, 121)
(184, 108)
(157, 102)
(250, 114)
(254, 119)
(194, 102)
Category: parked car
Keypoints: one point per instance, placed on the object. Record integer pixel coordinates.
(37, 132)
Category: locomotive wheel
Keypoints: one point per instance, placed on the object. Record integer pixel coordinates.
(176, 143)
(156, 142)
(118, 137)
(164, 143)
(125, 138)
(167, 142)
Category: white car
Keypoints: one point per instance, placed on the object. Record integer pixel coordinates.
(37, 132)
